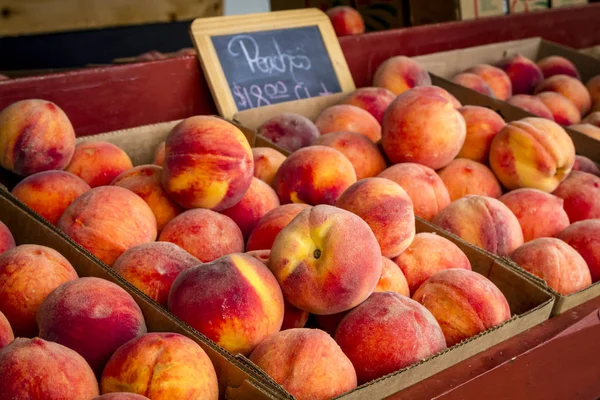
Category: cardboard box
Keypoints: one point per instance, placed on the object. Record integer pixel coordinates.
(525, 6)
(428, 12)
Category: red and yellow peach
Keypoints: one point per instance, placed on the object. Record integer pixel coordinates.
(474, 82)
(392, 279)
(266, 163)
(582, 164)
(463, 176)
(159, 154)
(524, 74)
(482, 125)
(375, 100)
(569, 87)
(496, 79)
(399, 74)
(264, 233)
(563, 111)
(581, 195)
(346, 21)
(98, 163)
(532, 104)
(7, 241)
(584, 237)
(557, 65)
(348, 118)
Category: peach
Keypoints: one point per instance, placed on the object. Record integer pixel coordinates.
(108, 220)
(91, 316)
(36, 369)
(98, 163)
(308, 363)
(584, 237)
(386, 333)
(347, 118)
(7, 241)
(482, 125)
(496, 79)
(474, 82)
(121, 396)
(464, 303)
(293, 317)
(208, 163)
(427, 255)
(319, 263)
(557, 65)
(314, 175)
(592, 119)
(261, 255)
(424, 187)
(375, 100)
(532, 152)
(28, 273)
(463, 176)
(437, 91)
(593, 87)
(161, 366)
(234, 301)
(159, 154)
(266, 163)
(423, 128)
(532, 104)
(258, 200)
(290, 131)
(581, 195)
(399, 74)
(346, 21)
(524, 74)
(152, 267)
(584, 164)
(386, 208)
(205, 234)
(264, 233)
(563, 111)
(392, 279)
(540, 214)
(554, 261)
(587, 129)
(35, 136)
(360, 150)
(484, 222)
(569, 87)
(49, 193)
(6, 333)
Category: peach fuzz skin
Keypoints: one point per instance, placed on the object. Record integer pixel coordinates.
(532, 152)
(557, 65)
(289, 358)
(399, 74)
(314, 175)
(7, 241)
(484, 222)
(35, 136)
(584, 237)
(264, 233)
(524, 74)
(427, 255)
(437, 91)
(346, 21)
(532, 104)
(152, 267)
(386, 333)
(474, 82)
(392, 279)
(386, 208)
(348, 118)
(98, 163)
(208, 163)
(375, 100)
(581, 195)
(290, 131)
(235, 301)
(482, 125)
(318, 264)
(464, 303)
(496, 79)
(107, 221)
(266, 163)
(582, 164)
(563, 111)
(423, 185)
(463, 176)
(35, 369)
(554, 261)
(161, 366)
(6, 333)
(28, 273)
(569, 87)
(159, 154)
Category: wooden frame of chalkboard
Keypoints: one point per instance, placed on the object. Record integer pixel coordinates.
(292, 43)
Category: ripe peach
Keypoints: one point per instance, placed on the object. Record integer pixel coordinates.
(35, 369)
(144, 180)
(375, 100)
(28, 273)
(524, 74)
(108, 220)
(399, 74)
(7, 241)
(496, 78)
(152, 267)
(584, 164)
(482, 125)
(425, 188)
(35, 136)
(258, 200)
(563, 111)
(359, 149)
(532, 104)
(98, 163)
(205, 234)
(554, 261)
(540, 214)
(386, 208)
(593, 119)
(161, 366)
(6, 333)
(264, 233)
(318, 263)
(581, 195)
(159, 154)
(587, 129)
(557, 65)
(234, 301)
(347, 118)
(422, 128)
(569, 87)
(314, 175)
(484, 222)
(427, 255)
(584, 236)
(121, 396)
(346, 21)
(532, 152)
(266, 163)
(261, 255)
(464, 303)
(290, 131)
(593, 87)
(474, 82)
(208, 163)
(463, 176)
(293, 317)
(308, 363)
(437, 91)
(392, 279)
(386, 333)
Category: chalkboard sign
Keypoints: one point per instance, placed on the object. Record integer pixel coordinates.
(258, 60)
